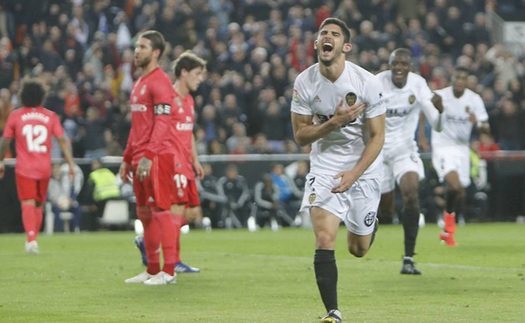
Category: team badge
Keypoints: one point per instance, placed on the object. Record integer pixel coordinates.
(295, 97)
(412, 99)
(467, 109)
(350, 98)
(370, 218)
(311, 198)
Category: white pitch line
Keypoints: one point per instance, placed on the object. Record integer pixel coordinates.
(288, 257)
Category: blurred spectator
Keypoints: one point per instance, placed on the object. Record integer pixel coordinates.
(508, 124)
(233, 188)
(112, 148)
(101, 187)
(63, 194)
(238, 137)
(93, 136)
(212, 203)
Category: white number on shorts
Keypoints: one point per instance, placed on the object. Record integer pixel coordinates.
(180, 180)
(36, 136)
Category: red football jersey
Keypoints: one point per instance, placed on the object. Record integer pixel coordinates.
(183, 119)
(32, 129)
(151, 99)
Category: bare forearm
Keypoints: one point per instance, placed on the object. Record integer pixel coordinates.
(4, 143)
(311, 133)
(66, 150)
(372, 150)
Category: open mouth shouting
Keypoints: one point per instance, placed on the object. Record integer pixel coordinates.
(327, 47)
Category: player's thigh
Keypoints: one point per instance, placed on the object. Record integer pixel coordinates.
(363, 198)
(26, 188)
(408, 164)
(161, 174)
(388, 183)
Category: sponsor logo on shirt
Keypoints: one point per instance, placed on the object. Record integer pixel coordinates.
(184, 126)
(138, 108)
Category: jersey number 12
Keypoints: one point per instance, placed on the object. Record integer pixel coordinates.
(36, 136)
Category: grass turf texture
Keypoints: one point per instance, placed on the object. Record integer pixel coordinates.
(266, 276)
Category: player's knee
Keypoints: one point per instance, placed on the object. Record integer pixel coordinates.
(324, 241)
(358, 250)
(411, 200)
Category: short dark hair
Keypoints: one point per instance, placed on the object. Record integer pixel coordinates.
(187, 61)
(400, 52)
(460, 69)
(32, 93)
(340, 23)
(156, 39)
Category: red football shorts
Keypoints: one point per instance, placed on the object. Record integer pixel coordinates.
(156, 189)
(31, 189)
(185, 191)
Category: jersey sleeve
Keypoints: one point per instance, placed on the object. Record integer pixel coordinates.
(480, 111)
(299, 99)
(162, 94)
(373, 97)
(56, 127)
(425, 102)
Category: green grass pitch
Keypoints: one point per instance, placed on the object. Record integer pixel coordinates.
(267, 276)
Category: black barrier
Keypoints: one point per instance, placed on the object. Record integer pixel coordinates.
(506, 175)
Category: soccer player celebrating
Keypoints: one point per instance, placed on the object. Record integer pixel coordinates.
(338, 108)
(406, 94)
(464, 109)
(150, 156)
(32, 127)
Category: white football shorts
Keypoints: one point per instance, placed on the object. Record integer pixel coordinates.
(446, 160)
(394, 169)
(357, 207)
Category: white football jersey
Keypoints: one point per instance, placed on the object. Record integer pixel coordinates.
(456, 124)
(315, 95)
(403, 107)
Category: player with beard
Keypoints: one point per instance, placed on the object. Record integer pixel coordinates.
(464, 109)
(149, 155)
(406, 95)
(337, 107)
(189, 70)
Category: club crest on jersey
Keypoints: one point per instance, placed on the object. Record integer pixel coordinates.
(295, 97)
(370, 218)
(311, 198)
(467, 109)
(412, 99)
(350, 98)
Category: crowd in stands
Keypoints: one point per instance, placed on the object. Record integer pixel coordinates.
(83, 50)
